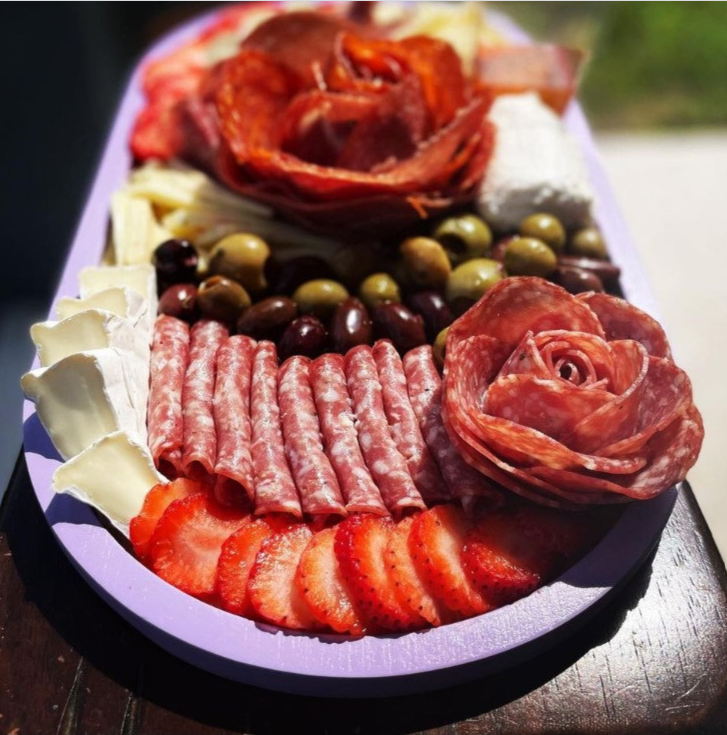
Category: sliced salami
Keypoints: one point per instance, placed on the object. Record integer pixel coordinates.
(314, 476)
(200, 438)
(231, 407)
(386, 464)
(404, 426)
(622, 320)
(328, 380)
(169, 358)
(425, 392)
(275, 490)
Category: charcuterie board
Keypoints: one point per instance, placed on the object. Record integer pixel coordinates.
(330, 665)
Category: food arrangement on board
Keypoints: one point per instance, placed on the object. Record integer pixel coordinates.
(358, 360)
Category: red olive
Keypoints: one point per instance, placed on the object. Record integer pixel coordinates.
(607, 272)
(268, 318)
(180, 301)
(434, 309)
(399, 324)
(175, 262)
(350, 326)
(577, 280)
(305, 335)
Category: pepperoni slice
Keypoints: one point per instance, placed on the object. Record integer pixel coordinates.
(169, 357)
(338, 429)
(404, 426)
(386, 464)
(200, 437)
(231, 405)
(425, 393)
(314, 477)
(275, 490)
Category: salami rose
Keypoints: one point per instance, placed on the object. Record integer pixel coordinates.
(568, 399)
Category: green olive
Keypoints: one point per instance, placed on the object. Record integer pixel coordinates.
(242, 258)
(438, 348)
(544, 227)
(379, 288)
(464, 237)
(526, 256)
(222, 299)
(425, 261)
(470, 281)
(320, 297)
(588, 243)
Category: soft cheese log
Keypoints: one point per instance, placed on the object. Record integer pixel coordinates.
(113, 475)
(119, 300)
(139, 278)
(82, 398)
(535, 167)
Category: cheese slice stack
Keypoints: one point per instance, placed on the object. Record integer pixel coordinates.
(92, 388)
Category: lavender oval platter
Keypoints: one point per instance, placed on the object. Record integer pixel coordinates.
(333, 666)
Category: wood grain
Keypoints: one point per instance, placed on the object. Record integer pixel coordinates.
(654, 661)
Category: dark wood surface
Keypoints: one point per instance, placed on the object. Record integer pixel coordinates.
(653, 661)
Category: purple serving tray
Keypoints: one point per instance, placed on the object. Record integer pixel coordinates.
(332, 666)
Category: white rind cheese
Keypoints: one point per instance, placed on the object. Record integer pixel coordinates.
(82, 398)
(92, 329)
(112, 475)
(119, 300)
(139, 278)
(535, 167)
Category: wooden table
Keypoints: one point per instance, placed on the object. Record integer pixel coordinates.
(654, 661)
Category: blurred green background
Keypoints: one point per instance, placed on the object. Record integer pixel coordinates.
(652, 65)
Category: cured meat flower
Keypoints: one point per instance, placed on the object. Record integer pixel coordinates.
(568, 399)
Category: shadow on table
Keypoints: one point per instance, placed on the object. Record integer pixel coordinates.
(111, 645)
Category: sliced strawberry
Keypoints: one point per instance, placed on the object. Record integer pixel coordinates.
(410, 587)
(272, 589)
(561, 535)
(360, 545)
(501, 561)
(237, 559)
(157, 500)
(435, 542)
(321, 583)
(186, 544)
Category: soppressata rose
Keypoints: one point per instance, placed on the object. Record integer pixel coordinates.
(568, 399)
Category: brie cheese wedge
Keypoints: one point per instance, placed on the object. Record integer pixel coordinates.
(119, 300)
(113, 475)
(535, 167)
(83, 397)
(139, 278)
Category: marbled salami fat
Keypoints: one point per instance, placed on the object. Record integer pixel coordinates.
(200, 438)
(425, 392)
(328, 380)
(169, 357)
(404, 426)
(231, 405)
(275, 490)
(314, 476)
(387, 465)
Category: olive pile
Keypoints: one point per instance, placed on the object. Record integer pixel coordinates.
(303, 307)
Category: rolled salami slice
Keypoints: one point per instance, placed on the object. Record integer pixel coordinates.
(200, 438)
(231, 405)
(404, 426)
(425, 392)
(328, 380)
(314, 477)
(169, 357)
(275, 490)
(386, 464)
